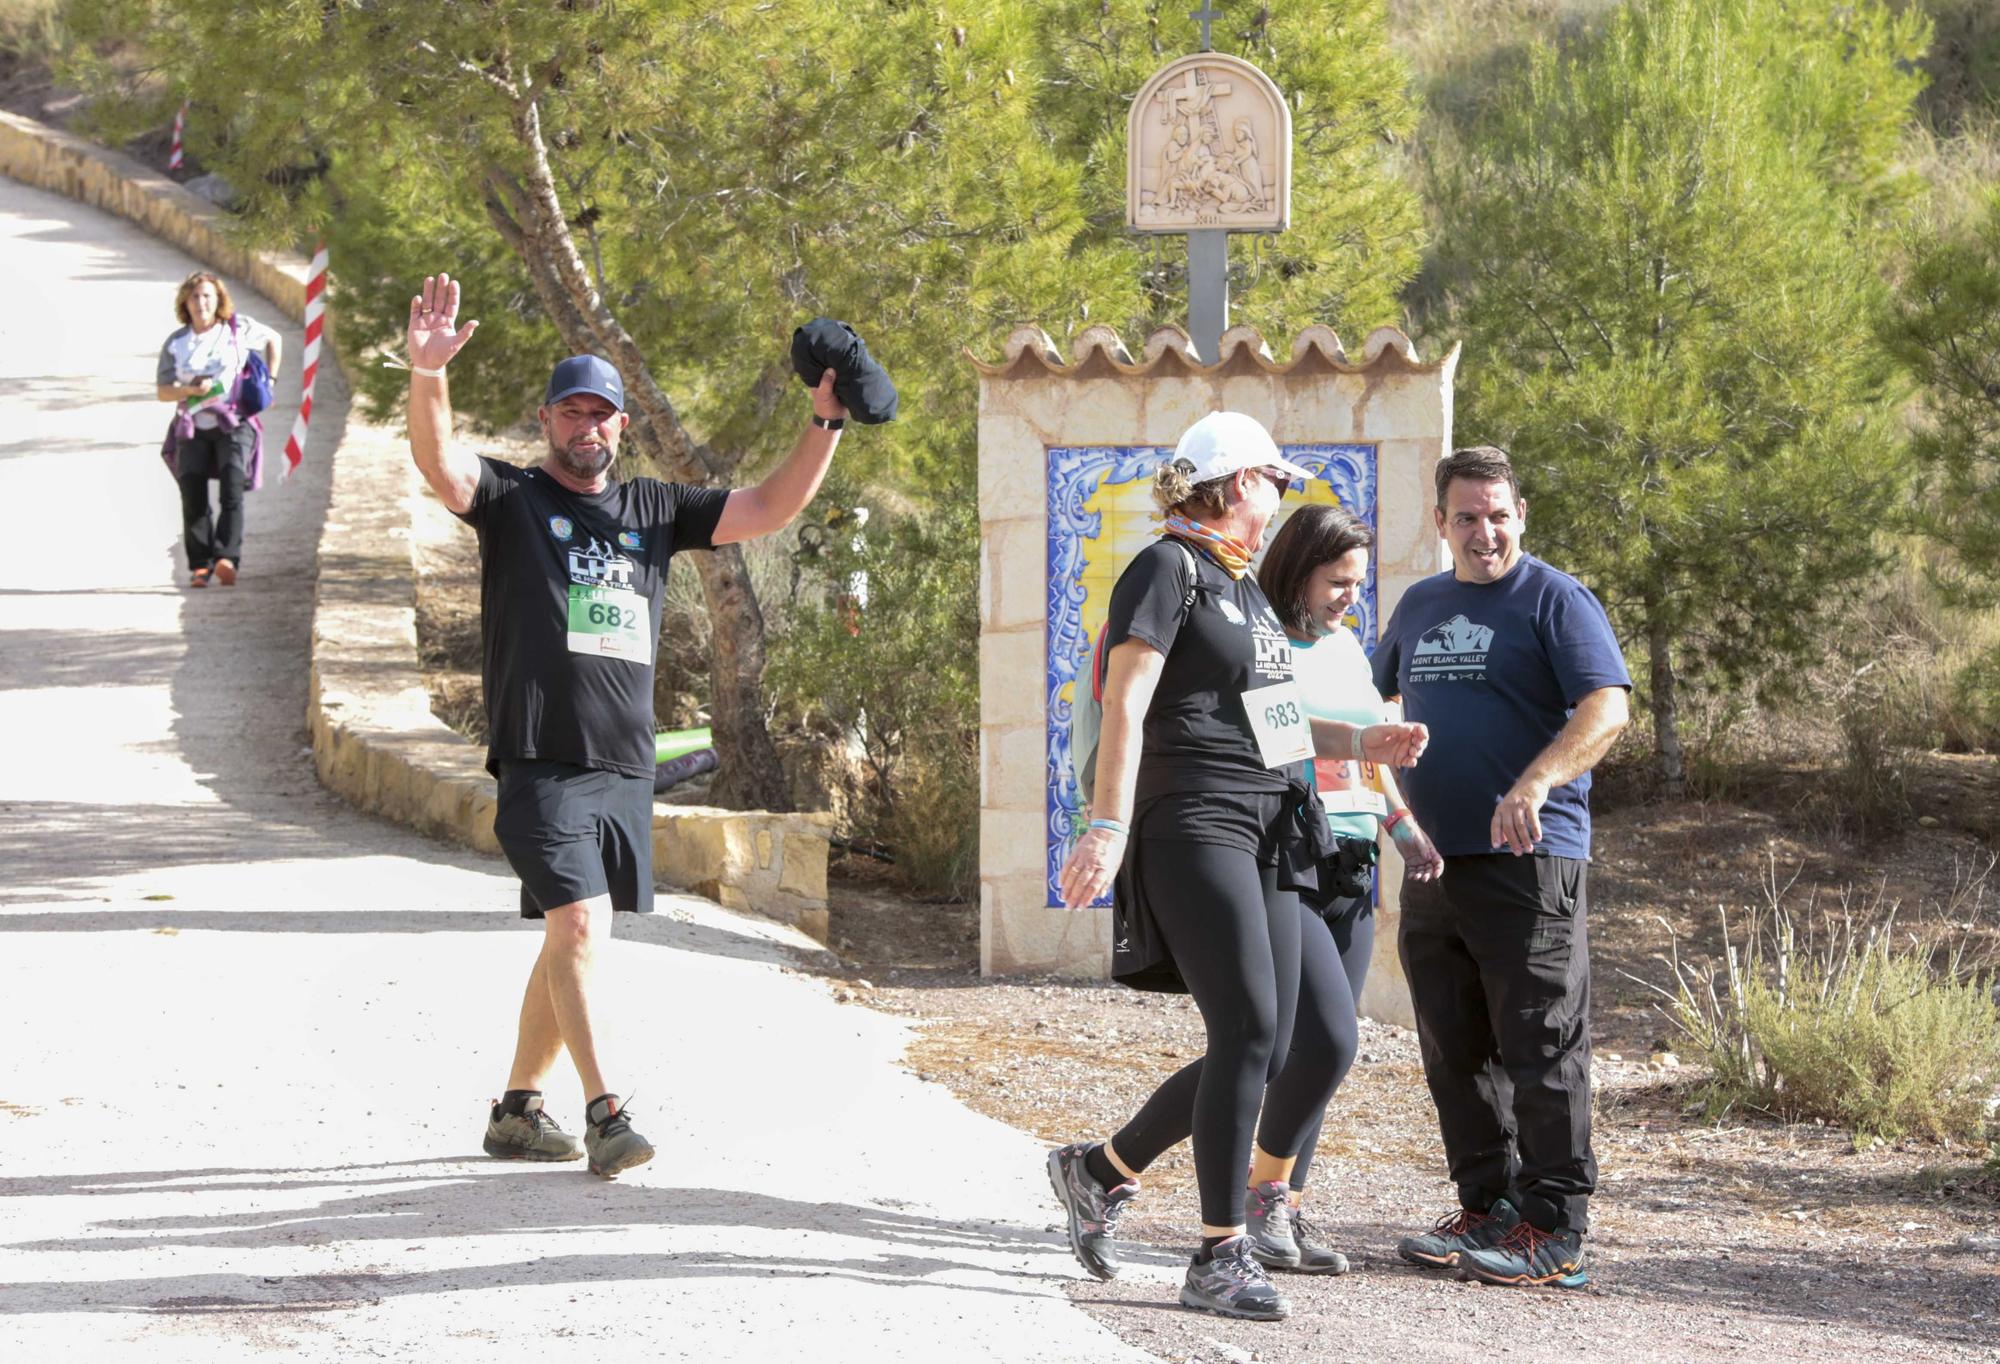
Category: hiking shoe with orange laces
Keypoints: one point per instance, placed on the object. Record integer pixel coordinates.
(1528, 1257)
(1462, 1231)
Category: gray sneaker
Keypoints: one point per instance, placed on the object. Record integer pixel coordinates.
(1233, 1285)
(1464, 1230)
(1314, 1258)
(609, 1139)
(1268, 1211)
(1091, 1210)
(532, 1135)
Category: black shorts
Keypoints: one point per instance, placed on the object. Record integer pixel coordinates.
(573, 833)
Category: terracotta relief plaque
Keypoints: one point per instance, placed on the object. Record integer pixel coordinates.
(1209, 145)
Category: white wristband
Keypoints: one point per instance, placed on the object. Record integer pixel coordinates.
(427, 373)
(1354, 742)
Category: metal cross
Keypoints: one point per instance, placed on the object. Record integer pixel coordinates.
(1205, 16)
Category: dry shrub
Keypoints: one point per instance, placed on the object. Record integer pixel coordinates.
(1842, 1013)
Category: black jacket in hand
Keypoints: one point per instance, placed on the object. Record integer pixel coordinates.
(858, 381)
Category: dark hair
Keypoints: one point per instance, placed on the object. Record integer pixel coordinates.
(225, 307)
(1311, 537)
(1481, 464)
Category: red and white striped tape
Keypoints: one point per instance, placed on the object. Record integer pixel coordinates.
(295, 447)
(180, 123)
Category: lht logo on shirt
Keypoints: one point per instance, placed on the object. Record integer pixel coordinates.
(597, 566)
(1274, 650)
(1452, 652)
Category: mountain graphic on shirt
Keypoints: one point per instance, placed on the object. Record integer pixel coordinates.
(1454, 651)
(1456, 636)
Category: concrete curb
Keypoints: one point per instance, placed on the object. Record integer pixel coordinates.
(374, 739)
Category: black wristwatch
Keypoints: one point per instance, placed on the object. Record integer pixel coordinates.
(828, 423)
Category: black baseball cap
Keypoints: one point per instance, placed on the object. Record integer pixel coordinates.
(586, 374)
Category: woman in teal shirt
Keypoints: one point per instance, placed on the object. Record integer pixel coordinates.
(1313, 574)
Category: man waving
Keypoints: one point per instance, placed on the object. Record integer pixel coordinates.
(573, 564)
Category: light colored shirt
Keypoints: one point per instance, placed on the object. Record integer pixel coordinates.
(1333, 675)
(216, 356)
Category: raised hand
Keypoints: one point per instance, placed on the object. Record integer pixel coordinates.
(825, 403)
(434, 335)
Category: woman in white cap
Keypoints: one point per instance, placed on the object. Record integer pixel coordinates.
(1206, 817)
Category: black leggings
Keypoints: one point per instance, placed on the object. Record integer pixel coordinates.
(1235, 940)
(1318, 1049)
(1327, 1035)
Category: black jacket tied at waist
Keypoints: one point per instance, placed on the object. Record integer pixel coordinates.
(1139, 954)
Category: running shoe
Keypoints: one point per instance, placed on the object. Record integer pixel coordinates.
(1091, 1210)
(1528, 1257)
(529, 1135)
(1314, 1258)
(1464, 1230)
(1268, 1213)
(1232, 1284)
(609, 1139)
(225, 572)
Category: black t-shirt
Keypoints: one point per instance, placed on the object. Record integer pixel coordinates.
(569, 597)
(1197, 733)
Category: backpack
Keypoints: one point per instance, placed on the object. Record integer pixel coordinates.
(1086, 709)
(253, 381)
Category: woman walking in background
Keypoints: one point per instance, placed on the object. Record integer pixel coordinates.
(213, 438)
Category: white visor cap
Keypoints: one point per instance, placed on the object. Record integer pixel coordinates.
(1223, 442)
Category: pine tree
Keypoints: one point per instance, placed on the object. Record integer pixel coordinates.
(1659, 246)
(1944, 324)
(677, 185)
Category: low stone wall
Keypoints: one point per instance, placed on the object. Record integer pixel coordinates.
(51, 159)
(374, 739)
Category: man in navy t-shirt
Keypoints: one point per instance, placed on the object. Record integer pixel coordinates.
(1515, 669)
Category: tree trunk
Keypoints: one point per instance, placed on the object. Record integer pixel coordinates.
(1666, 705)
(529, 216)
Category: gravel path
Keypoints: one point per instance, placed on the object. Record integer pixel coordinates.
(253, 1031)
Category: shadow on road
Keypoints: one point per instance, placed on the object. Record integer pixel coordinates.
(489, 1199)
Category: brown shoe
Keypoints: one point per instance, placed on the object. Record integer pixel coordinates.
(225, 572)
(198, 578)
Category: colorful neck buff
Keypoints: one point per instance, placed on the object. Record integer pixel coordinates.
(1228, 551)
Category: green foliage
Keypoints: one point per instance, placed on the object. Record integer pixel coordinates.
(1658, 244)
(1944, 324)
(899, 676)
(934, 174)
(28, 29)
(1848, 1017)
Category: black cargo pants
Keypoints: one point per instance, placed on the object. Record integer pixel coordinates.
(1498, 962)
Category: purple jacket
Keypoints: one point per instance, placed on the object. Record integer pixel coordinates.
(180, 430)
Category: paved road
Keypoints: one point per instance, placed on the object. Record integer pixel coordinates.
(251, 1032)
